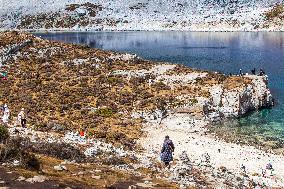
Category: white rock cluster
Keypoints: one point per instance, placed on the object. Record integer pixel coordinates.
(173, 80)
(74, 138)
(239, 101)
(94, 146)
(155, 116)
(158, 70)
(124, 57)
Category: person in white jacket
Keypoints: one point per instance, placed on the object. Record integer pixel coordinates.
(22, 118)
(6, 114)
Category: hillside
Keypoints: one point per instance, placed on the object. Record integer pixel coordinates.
(76, 86)
(114, 97)
(201, 15)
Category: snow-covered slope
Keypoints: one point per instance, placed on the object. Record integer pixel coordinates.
(201, 15)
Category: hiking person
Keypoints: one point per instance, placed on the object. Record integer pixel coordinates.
(6, 114)
(167, 151)
(261, 72)
(253, 71)
(22, 118)
(240, 72)
(82, 132)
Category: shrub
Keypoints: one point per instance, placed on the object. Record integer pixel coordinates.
(30, 161)
(161, 86)
(104, 112)
(194, 101)
(276, 11)
(19, 149)
(59, 150)
(4, 134)
(11, 150)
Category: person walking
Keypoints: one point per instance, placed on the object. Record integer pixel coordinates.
(167, 151)
(6, 114)
(253, 71)
(22, 118)
(261, 72)
(240, 72)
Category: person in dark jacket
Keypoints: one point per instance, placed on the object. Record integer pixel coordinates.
(167, 151)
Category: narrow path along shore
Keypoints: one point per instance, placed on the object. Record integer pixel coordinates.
(197, 144)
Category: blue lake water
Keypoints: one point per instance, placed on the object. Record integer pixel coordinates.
(223, 52)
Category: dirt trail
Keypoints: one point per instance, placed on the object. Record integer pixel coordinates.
(197, 144)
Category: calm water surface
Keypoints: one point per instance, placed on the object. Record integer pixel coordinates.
(223, 52)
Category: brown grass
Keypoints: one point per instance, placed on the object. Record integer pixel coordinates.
(276, 12)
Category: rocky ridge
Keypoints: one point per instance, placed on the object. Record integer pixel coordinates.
(188, 15)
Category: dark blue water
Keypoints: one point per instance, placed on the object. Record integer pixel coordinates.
(223, 52)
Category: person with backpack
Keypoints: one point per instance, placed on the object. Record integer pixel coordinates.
(167, 151)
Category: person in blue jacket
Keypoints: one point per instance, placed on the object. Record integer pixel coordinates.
(167, 151)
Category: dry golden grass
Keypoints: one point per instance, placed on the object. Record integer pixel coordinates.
(276, 12)
(81, 174)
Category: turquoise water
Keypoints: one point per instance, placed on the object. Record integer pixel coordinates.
(223, 52)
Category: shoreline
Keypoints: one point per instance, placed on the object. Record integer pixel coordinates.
(68, 30)
(258, 142)
(196, 143)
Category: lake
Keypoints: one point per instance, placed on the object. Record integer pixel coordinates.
(216, 51)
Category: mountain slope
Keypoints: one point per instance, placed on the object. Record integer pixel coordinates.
(202, 15)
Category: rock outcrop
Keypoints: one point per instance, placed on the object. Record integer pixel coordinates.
(239, 101)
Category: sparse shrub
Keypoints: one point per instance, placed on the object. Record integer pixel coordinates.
(276, 11)
(30, 161)
(20, 149)
(161, 86)
(11, 150)
(113, 160)
(111, 79)
(72, 7)
(59, 150)
(4, 134)
(194, 101)
(104, 112)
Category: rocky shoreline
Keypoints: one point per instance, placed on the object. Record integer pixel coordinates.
(117, 99)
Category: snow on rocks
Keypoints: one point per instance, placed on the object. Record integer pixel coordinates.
(182, 172)
(201, 15)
